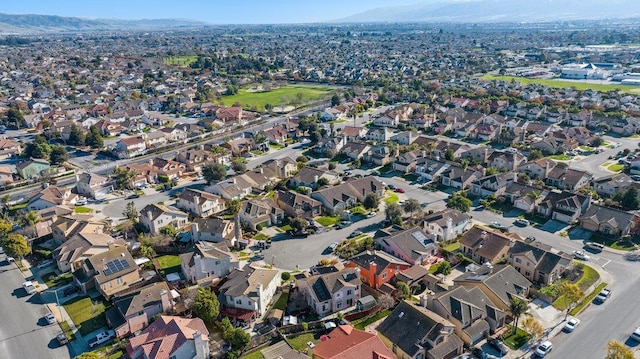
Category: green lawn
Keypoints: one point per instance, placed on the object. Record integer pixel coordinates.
(560, 157)
(281, 303)
(327, 220)
(253, 355)
(589, 277)
(299, 342)
(169, 264)
(359, 210)
(587, 299)
(452, 247)
(276, 146)
(67, 331)
(184, 61)
(517, 340)
(564, 83)
(52, 280)
(81, 209)
(88, 316)
(364, 322)
(283, 96)
(391, 197)
(616, 167)
(260, 237)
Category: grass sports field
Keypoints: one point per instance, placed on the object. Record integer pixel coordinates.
(565, 84)
(293, 95)
(180, 60)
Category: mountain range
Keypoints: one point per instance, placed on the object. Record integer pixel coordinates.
(20, 24)
(485, 11)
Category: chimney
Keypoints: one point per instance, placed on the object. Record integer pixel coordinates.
(195, 230)
(149, 215)
(201, 147)
(233, 180)
(357, 272)
(164, 299)
(515, 161)
(315, 179)
(423, 300)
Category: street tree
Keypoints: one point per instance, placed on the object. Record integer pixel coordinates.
(206, 305)
(299, 224)
(597, 142)
(517, 307)
(393, 214)
(58, 155)
(460, 202)
(630, 198)
(213, 172)
(411, 205)
(532, 327)
(15, 245)
(371, 201)
(571, 295)
(130, 212)
(617, 350)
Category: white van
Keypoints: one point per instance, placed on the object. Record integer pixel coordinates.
(29, 287)
(595, 246)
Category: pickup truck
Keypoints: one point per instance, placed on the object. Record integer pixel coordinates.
(101, 338)
(603, 295)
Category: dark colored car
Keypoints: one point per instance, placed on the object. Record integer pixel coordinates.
(499, 346)
(134, 196)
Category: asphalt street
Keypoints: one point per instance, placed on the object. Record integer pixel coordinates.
(24, 333)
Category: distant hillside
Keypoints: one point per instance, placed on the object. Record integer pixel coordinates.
(49, 23)
(501, 11)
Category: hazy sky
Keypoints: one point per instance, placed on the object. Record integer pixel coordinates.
(212, 11)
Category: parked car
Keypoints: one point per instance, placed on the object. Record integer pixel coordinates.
(392, 187)
(478, 353)
(29, 287)
(10, 260)
(354, 234)
(544, 348)
(44, 264)
(50, 318)
(530, 239)
(603, 295)
(333, 246)
(598, 247)
(257, 257)
(636, 334)
(399, 190)
(521, 222)
(81, 201)
(497, 225)
(635, 177)
(62, 339)
(371, 214)
(134, 196)
(571, 325)
(581, 255)
(101, 338)
(499, 346)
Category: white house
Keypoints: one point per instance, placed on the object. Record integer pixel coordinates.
(200, 203)
(250, 290)
(93, 185)
(156, 216)
(208, 261)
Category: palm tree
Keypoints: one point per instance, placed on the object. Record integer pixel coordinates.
(517, 307)
(234, 207)
(534, 195)
(429, 147)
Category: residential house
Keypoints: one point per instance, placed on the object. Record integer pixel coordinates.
(133, 312)
(109, 128)
(524, 197)
(33, 168)
(380, 135)
(93, 185)
(155, 139)
(353, 133)
(404, 138)
(608, 221)
(355, 150)
(408, 161)
(174, 134)
(194, 160)
(213, 230)
(386, 121)
(208, 261)
(155, 216)
(377, 267)
(446, 225)
(347, 342)
(331, 292)
(67, 225)
(72, 251)
(297, 205)
(609, 186)
(566, 207)
(506, 161)
(474, 315)
(430, 170)
(309, 176)
(110, 272)
(247, 293)
(240, 146)
(412, 331)
(537, 169)
(236, 187)
(171, 337)
(9, 149)
(380, 155)
(200, 203)
(493, 184)
(276, 135)
(51, 196)
(230, 115)
(538, 262)
(6, 175)
(130, 147)
(499, 283)
(283, 167)
(459, 178)
(264, 212)
(347, 194)
(412, 245)
(485, 246)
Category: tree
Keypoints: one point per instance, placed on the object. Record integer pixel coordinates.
(15, 245)
(169, 231)
(532, 327)
(213, 172)
(534, 155)
(517, 307)
(30, 218)
(38, 148)
(597, 142)
(393, 213)
(285, 276)
(94, 138)
(335, 100)
(299, 224)
(147, 251)
(5, 228)
(58, 155)
(130, 212)
(238, 166)
(617, 350)
(630, 199)
(234, 206)
(443, 267)
(322, 181)
(76, 136)
(371, 201)
(403, 289)
(571, 294)
(386, 302)
(449, 155)
(226, 329)
(124, 177)
(239, 339)
(315, 136)
(206, 305)
(411, 205)
(491, 171)
(460, 202)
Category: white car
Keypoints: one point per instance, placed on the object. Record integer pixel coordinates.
(636, 334)
(51, 319)
(371, 214)
(571, 325)
(544, 348)
(497, 225)
(581, 255)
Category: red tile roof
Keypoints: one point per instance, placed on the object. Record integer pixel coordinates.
(346, 342)
(164, 336)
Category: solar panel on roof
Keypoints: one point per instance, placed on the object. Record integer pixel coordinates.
(115, 266)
